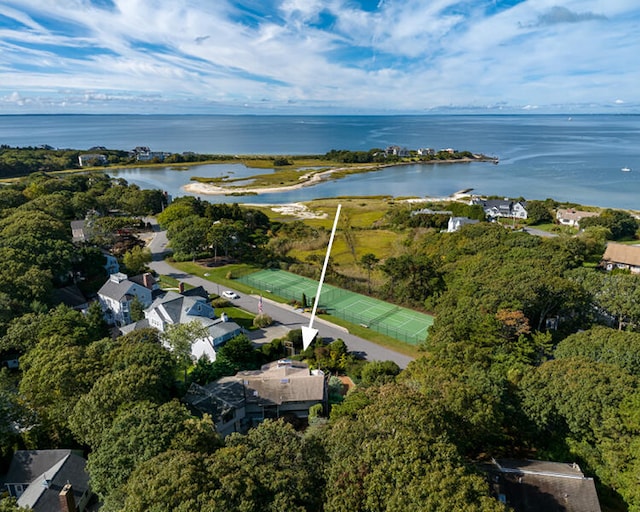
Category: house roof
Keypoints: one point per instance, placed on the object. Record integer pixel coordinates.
(541, 486)
(216, 398)
(621, 253)
(46, 472)
(574, 215)
(283, 381)
(70, 296)
(175, 308)
(279, 382)
(198, 291)
(117, 286)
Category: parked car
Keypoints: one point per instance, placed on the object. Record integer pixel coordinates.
(228, 294)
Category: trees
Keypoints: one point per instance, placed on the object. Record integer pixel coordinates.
(621, 224)
(538, 212)
(180, 338)
(188, 236)
(138, 432)
(412, 277)
(272, 468)
(368, 262)
(56, 374)
(395, 455)
(136, 260)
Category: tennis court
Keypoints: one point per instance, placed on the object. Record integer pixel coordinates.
(400, 323)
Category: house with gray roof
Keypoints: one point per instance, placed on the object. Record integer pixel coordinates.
(174, 308)
(280, 388)
(119, 291)
(494, 208)
(38, 477)
(542, 486)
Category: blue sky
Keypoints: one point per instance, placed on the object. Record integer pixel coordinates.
(319, 56)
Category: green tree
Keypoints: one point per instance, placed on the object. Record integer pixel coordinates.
(172, 481)
(94, 412)
(538, 212)
(138, 433)
(239, 353)
(136, 309)
(136, 260)
(369, 261)
(375, 373)
(55, 375)
(394, 455)
(188, 237)
(272, 468)
(180, 338)
(10, 505)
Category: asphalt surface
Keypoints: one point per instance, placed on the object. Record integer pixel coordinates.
(281, 313)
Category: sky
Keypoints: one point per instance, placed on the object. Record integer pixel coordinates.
(319, 56)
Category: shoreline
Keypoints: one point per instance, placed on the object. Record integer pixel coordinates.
(312, 178)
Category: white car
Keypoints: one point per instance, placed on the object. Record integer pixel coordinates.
(228, 294)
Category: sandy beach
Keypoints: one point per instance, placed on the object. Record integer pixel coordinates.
(305, 180)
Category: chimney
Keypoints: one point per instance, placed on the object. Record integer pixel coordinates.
(181, 287)
(67, 501)
(147, 280)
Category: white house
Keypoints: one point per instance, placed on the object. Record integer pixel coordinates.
(494, 208)
(175, 308)
(116, 295)
(571, 217)
(455, 223)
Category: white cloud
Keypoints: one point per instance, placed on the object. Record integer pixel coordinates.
(407, 55)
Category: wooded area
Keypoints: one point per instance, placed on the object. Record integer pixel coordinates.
(533, 354)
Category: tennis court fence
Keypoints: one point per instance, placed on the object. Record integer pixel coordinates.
(329, 300)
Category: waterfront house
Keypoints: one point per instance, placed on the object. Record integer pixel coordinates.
(621, 256)
(397, 151)
(280, 388)
(495, 208)
(571, 217)
(48, 480)
(92, 160)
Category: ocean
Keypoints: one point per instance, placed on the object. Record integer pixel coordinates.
(574, 158)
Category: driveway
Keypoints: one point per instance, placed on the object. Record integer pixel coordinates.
(286, 318)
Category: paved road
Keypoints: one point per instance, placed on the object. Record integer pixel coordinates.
(281, 313)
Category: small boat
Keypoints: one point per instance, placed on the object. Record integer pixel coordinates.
(626, 169)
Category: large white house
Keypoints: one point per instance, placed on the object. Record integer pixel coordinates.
(116, 295)
(174, 308)
(494, 208)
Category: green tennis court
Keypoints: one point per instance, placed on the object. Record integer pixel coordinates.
(400, 323)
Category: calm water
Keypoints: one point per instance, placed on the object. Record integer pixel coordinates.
(570, 159)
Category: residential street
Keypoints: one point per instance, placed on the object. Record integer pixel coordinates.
(281, 313)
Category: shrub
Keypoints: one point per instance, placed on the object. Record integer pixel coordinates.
(220, 302)
(262, 321)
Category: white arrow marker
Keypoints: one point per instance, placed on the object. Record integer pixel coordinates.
(308, 333)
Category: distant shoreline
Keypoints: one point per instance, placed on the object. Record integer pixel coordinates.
(313, 178)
